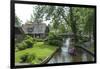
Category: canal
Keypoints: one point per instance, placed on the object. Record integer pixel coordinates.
(62, 56)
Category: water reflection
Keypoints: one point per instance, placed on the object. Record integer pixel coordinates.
(62, 56)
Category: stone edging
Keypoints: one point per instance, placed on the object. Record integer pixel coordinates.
(47, 59)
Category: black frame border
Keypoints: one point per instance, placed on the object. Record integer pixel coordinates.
(12, 31)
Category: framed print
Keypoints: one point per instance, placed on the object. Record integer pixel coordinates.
(52, 34)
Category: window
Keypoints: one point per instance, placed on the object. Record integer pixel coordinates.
(30, 29)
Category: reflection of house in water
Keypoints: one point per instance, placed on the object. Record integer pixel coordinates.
(39, 30)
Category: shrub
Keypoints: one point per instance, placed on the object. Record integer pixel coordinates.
(29, 43)
(53, 39)
(26, 43)
(31, 57)
(55, 42)
(27, 57)
(28, 37)
(22, 46)
(38, 40)
(54, 36)
(24, 58)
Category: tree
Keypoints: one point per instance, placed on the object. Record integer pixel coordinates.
(59, 15)
(17, 21)
(81, 21)
(88, 28)
(73, 25)
(78, 20)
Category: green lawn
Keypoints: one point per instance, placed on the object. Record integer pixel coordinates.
(40, 50)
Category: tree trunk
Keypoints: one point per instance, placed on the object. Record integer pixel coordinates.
(73, 26)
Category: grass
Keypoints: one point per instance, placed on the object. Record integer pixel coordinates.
(40, 50)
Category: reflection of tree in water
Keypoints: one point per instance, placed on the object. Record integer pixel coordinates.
(82, 56)
(77, 58)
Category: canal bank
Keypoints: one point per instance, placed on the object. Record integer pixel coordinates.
(47, 59)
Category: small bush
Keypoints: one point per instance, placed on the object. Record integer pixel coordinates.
(22, 46)
(55, 42)
(29, 43)
(38, 40)
(24, 58)
(26, 43)
(31, 57)
(27, 57)
(28, 37)
(53, 39)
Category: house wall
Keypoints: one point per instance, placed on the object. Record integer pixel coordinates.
(25, 27)
(38, 29)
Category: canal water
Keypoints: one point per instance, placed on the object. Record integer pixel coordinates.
(62, 56)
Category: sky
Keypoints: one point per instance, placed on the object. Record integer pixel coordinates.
(24, 11)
